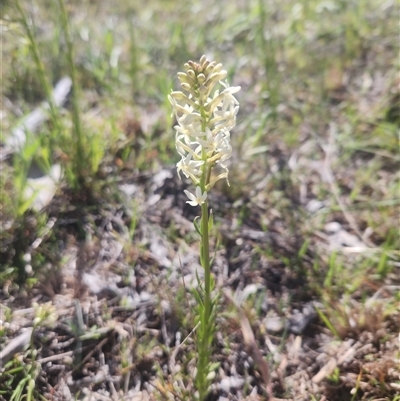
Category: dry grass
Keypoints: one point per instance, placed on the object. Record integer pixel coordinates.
(308, 240)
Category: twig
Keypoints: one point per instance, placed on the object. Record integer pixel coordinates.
(89, 355)
(187, 337)
(55, 357)
(330, 366)
(177, 348)
(16, 345)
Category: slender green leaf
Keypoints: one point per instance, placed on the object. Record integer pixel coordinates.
(196, 225)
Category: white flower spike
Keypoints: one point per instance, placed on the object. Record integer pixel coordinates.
(205, 117)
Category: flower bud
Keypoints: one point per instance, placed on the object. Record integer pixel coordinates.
(182, 77)
(191, 74)
(186, 86)
(178, 95)
(205, 65)
(218, 67)
(210, 68)
(222, 75)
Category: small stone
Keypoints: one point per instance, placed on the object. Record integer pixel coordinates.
(28, 270)
(231, 382)
(333, 227)
(274, 324)
(128, 189)
(314, 205)
(145, 296)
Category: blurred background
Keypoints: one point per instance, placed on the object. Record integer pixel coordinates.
(308, 229)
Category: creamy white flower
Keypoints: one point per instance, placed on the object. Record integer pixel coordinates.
(182, 147)
(215, 179)
(223, 99)
(190, 118)
(197, 199)
(230, 89)
(216, 147)
(207, 140)
(190, 168)
(225, 118)
(222, 147)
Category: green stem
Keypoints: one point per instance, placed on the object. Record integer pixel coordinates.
(80, 153)
(40, 67)
(271, 68)
(206, 258)
(204, 351)
(206, 325)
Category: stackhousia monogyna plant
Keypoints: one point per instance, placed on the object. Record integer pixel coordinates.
(205, 117)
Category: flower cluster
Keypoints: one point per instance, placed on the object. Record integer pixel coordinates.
(205, 117)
